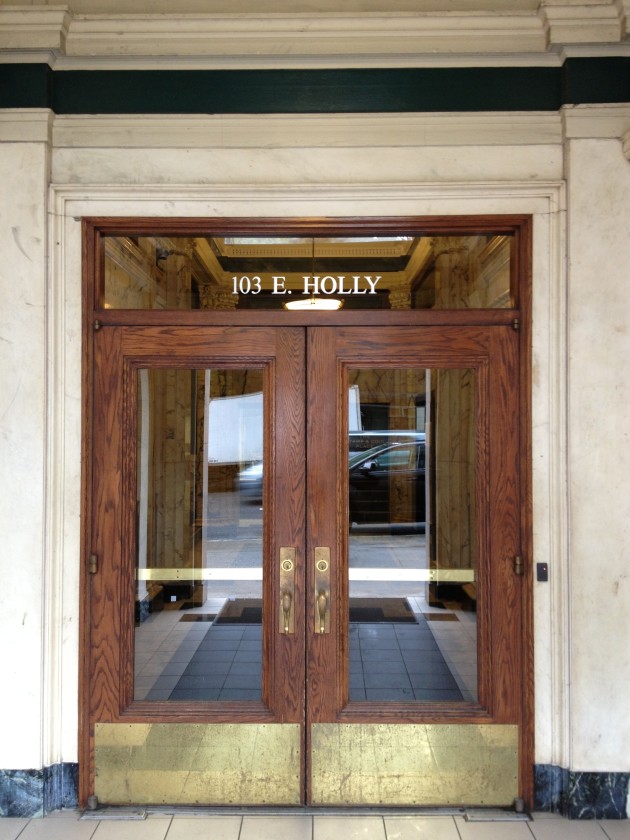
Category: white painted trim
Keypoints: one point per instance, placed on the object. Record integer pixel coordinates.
(34, 28)
(303, 35)
(371, 38)
(26, 125)
(545, 201)
(34, 125)
(308, 130)
(550, 443)
(596, 121)
(586, 22)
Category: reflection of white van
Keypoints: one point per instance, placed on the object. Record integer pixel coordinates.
(369, 438)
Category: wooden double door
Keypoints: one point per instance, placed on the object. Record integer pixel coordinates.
(305, 582)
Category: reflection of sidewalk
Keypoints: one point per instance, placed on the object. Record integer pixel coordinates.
(406, 551)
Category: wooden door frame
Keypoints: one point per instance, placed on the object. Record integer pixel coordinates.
(519, 317)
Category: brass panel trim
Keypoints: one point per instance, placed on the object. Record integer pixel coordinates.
(421, 575)
(197, 763)
(414, 764)
(174, 573)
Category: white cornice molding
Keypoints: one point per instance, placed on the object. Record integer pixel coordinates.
(308, 130)
(595, 121)
(598, 122)
(172, 131)
(34, 28)
(583, 21)
(282, 38)
(308, 39)
(304, 36)
(26, 125)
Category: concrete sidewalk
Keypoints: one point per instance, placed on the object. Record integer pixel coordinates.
(187, 825)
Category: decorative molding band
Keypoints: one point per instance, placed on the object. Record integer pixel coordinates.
(596, 121)
(151, 131)
(34, 28)
(587, 22)
(298, 39)
(26, 125)
(310, 130)
(301, 36)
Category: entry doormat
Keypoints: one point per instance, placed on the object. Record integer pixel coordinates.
(362, 610)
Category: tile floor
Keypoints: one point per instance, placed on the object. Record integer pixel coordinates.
(179, 659)
(67, 825)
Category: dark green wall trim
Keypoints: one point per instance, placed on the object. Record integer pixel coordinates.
(581, 80)
(596, 80)
(26, 86)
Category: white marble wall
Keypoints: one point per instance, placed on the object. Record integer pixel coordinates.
(599, 453)
(23, 180)
(335, 172)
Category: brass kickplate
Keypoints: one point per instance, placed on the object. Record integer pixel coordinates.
(414, 764)
(197, 763)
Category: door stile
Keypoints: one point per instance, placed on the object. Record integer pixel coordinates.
(286, 517)
(101, 583)
(104, 586)
(505, 603)
(323, 458)
(324, 656)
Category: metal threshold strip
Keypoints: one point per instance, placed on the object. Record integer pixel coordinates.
(469, 814)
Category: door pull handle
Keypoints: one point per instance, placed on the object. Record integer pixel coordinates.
(286, 610)
(322, 604)
(322, 589)
(287, 590)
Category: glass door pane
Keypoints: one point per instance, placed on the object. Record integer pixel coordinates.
(390, 270)
(412, 542)
(199, 560)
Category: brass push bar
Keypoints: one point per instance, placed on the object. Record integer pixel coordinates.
(255, 573)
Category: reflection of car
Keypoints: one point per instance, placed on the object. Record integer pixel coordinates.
(387, 484)
(396, 466)
(360, 442)
(250, 483)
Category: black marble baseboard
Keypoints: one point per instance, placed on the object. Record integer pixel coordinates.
(33, 793)
(581, 796)
(578, 796)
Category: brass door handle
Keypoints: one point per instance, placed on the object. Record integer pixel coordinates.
(322, 589)
(287, 603)
(287, 590)
(322, 605)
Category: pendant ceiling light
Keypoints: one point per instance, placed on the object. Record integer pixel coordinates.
(314, 302)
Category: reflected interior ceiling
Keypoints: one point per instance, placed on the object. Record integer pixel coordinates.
(468, 270)
(397, 259)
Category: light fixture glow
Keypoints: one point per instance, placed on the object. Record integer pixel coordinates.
(314, 303)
